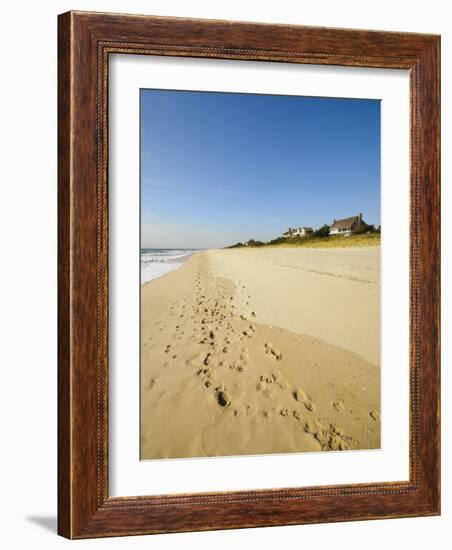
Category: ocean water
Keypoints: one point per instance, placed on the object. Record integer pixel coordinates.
(156, 262)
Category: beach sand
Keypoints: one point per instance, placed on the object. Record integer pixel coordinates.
(251, 351)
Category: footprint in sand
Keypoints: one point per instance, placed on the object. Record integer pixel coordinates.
(277, 377)
(222, 397)
(267, 379)
(338, 405)
(244, 358)
(301, 397)
(152, 383)
(262, 385)
(331, 438)
(238, 368)
(270, 350)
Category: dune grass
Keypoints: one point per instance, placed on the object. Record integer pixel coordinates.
(335, 241)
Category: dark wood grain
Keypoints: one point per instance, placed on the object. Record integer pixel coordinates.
(85, 42)
(64, 295)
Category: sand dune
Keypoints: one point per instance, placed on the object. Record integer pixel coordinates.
(240, 355)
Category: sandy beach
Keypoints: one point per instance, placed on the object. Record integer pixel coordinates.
(263, 350)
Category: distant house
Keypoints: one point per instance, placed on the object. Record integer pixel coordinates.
(298, 232)
(347, 225)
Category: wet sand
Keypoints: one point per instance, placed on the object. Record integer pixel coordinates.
(224, 372)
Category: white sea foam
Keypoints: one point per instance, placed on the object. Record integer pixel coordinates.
(157, 262)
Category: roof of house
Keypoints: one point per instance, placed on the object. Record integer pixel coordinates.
(346, 222)
(293, 229)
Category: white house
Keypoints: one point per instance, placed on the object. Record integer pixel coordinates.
(298, 232)
(347, 225)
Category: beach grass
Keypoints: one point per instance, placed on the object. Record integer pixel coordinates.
(335, 241)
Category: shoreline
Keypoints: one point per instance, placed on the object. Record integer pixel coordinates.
(218, 380)
(157, 262)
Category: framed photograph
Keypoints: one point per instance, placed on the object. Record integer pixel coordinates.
(248, 279)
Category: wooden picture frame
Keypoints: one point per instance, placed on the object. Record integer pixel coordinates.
(85, 42)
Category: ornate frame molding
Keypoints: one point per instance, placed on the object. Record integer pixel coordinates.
(85, 42)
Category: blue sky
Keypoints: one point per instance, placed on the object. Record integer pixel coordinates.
(217, 168)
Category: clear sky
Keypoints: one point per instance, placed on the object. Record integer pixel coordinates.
(218, 168)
